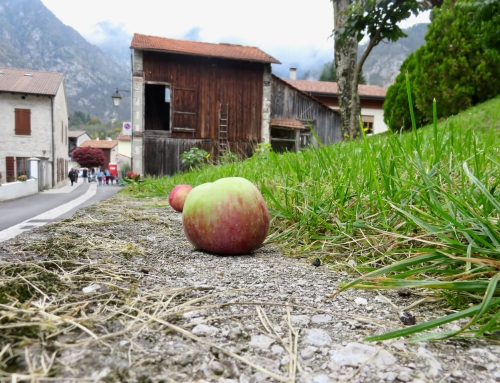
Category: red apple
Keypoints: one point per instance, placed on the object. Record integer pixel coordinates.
(178, 195)
(228, 216)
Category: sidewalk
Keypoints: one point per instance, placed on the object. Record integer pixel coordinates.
(63, 190)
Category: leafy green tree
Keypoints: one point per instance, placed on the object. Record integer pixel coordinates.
(396, 108)
(485, 21)
(376, 19)
(78, 118)
(453, 67)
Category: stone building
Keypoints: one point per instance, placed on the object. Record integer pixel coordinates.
(33, 127)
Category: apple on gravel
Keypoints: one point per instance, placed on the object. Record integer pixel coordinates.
(178, 195)
(228, 216)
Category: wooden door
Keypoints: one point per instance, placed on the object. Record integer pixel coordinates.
(185, 109)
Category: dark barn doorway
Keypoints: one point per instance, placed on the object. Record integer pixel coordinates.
(157, 107)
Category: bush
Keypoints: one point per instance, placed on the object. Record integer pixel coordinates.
(228, 157)
(194, 158)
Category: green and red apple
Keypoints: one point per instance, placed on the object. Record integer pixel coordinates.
(228, 216)
(178, 195)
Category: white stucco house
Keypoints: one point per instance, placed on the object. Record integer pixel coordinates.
(371, 98)
(124, 151)
(33, 127)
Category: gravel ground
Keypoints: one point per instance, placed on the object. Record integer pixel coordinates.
(124, 297)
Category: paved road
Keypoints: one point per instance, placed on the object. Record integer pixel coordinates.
(39, 209)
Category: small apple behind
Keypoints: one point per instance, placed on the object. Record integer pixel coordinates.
(228, 216)
(178, 195)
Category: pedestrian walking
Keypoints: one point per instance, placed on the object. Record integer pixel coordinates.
(71, 176)
(85, 174)
(100, 175)
(107, 174)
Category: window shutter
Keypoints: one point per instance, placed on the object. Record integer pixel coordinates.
(23, 122)
(11, 172)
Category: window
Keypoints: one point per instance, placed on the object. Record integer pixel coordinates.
(22, 166)
(15, 167)
(22, 122)
(368, 124)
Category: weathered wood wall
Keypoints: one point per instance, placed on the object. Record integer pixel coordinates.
(288, 102)
(163, 154)
(199, 84)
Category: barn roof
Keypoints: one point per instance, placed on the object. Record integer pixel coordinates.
(222, 50)
(29, 81)
(331, 88)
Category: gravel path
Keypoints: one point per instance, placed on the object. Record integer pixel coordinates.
(134, 302)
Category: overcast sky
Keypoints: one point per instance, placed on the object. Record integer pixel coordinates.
(296, 32)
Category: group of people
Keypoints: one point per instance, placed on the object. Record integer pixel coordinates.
(104, 177)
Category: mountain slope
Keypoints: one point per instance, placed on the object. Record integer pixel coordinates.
(382, 65)
(32, 37)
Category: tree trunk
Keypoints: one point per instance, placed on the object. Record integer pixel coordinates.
(354, 129)
(345, 64)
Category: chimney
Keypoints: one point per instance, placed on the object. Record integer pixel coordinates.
(293, 73)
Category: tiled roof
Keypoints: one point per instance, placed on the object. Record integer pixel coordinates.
(99, 144)
(76, 133)
(276, 78)
(122, 137)
(287, 123)
(223, 50)
(29, 81)
(331, 88)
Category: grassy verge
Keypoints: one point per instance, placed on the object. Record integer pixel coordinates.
(418, 210)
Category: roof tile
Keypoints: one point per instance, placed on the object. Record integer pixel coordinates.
(99, 144)
(122, 137)
(29, 81)
(223, 50)
(327, 87)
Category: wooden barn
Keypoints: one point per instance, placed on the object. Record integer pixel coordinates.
(293, 113)
(215, 97)
(188, 94)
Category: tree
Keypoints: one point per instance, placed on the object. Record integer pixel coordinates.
(453, 67)
(78, 118)
(346, 50)
(485, 21)
(396, 109)
(377, 19)
(89, 157)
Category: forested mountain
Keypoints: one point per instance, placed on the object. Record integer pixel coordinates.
(32, 37)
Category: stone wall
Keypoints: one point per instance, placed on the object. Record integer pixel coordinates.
(137, 112)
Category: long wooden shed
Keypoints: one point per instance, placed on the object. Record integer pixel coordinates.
(191, 94)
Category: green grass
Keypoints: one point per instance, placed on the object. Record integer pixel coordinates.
(419, 209)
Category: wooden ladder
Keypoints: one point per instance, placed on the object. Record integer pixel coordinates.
(223, 127)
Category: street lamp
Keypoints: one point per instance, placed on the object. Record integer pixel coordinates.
(117, 98)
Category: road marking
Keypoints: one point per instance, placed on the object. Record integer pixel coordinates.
(43, 218)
